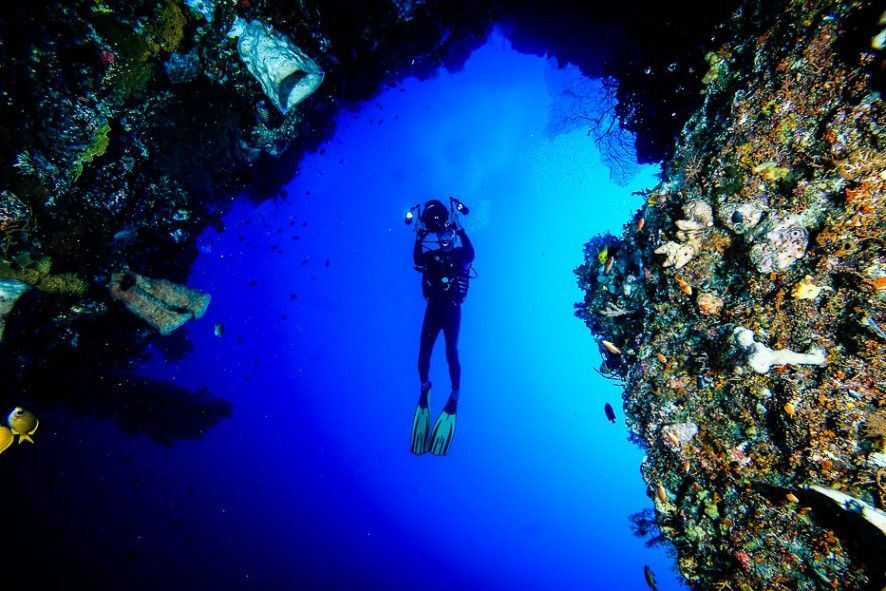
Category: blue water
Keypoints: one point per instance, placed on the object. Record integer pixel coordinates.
(311, 484)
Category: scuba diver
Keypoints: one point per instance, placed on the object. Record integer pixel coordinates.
(445, 265)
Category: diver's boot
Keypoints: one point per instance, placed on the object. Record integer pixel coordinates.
(421, 422)
(444, 428)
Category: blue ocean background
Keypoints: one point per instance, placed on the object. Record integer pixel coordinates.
(310, 484)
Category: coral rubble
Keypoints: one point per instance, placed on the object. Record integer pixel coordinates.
(772, 209)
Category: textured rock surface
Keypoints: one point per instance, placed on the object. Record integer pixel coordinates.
(787, 150)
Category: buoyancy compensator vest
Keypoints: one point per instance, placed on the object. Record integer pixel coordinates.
(446, 276)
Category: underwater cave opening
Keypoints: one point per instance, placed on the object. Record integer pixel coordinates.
(321, 310)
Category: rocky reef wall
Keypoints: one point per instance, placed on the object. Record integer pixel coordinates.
(743, 308)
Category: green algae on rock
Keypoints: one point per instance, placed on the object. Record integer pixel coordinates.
(38, 273)
(787, 152)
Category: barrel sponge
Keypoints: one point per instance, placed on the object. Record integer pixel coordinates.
(162, 304)
(285, 73)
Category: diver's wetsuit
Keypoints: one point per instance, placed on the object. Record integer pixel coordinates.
(443, 311)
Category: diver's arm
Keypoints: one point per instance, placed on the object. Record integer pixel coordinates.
(466, 245)
(417, 253)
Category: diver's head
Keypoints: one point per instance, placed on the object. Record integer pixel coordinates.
(446, 238)
(435, 216)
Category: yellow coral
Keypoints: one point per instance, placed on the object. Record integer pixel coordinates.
(805, 289)
(43, 266)
(875, 427)
(169, 28)
(771, 171)
(97, 148)
(716, 62)
(38, 274)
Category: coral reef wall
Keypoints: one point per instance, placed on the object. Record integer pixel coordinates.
(744, 309)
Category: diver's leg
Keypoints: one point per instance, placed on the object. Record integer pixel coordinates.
(451, 329)
(430, 328)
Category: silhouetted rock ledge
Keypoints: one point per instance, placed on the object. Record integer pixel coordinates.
(745, 308)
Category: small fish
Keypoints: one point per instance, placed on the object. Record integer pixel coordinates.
(806, 290)
(650, 578)
(611, 348)
(608, 265)
(870, 323)
(218, 329)
(610, 412)
(684, 287)
(603, 255)
(672, 438)
(640, 223)
(22, 423)
(6, 438)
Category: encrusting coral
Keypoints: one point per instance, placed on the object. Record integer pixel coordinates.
(762, 329)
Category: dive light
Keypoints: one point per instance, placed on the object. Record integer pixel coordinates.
(410, 214)
(459, 206)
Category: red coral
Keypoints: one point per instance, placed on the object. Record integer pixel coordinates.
(107, 57)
